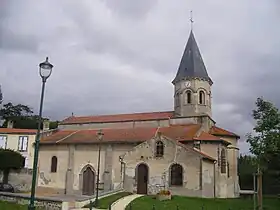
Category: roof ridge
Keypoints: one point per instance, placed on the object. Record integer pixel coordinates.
(101, 115)
(60, 140)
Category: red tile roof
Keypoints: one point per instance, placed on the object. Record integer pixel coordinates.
(209, 137)
(181, 133)
(17, 131)
(222, 132)
(119, 117)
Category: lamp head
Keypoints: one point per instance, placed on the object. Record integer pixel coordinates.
(45, 69)
(100, 135)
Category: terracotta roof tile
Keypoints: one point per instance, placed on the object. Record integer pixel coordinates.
(56, 136)
(119, 117)
(17, 131)
(110, 135)
(180, 132)
(222, 132)
(207, 136)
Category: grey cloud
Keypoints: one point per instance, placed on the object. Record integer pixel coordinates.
(131, 9)
(121, 57)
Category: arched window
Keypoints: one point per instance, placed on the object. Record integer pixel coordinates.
(201, 97)
(159, 149)
(188, 97)
(223, 161)
(54, 164)
(176, 175)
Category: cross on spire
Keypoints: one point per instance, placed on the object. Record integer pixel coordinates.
(191, 19)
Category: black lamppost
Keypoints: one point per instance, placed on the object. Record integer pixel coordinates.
(45, 70)
(100, 135)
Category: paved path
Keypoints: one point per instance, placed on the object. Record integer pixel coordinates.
(123, 202)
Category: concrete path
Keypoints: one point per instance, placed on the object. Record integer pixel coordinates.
(123, 202)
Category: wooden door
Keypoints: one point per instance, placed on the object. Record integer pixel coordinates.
(88, 182)
(142, 179)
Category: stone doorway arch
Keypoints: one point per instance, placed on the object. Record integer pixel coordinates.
(142, 172)
(88, 180)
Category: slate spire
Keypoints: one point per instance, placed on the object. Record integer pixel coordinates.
(192, 65)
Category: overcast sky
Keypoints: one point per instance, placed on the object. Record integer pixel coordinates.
(120, 56)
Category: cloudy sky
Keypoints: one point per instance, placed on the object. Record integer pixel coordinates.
(120, 56)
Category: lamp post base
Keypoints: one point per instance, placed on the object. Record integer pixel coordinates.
(31, 207)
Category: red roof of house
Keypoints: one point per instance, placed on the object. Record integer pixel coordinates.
(17, 131)
(222, 132)
(119, 117)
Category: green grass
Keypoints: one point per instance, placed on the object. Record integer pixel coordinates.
(104, 203)
(11, 206)
(185, 203)
(4, 205)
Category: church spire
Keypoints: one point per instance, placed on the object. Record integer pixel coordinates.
(192, 65)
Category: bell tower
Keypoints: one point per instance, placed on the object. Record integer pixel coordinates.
(192, 85)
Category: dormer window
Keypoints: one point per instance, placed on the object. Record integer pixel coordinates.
(159, 149)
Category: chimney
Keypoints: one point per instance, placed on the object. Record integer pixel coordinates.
(46, 125)
(10, 124)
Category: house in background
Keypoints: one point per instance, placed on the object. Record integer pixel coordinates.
(20, 140)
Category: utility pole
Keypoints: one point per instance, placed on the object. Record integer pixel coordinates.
(260, 195)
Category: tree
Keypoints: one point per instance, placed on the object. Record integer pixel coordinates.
(10, 111)
(265, 142)
(10, 160)
(247, 166)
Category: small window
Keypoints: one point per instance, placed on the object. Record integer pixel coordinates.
(223, 161)
(188, 95)
(176, 175)
(54, 164)
(3, 142)
(177, 99)
(201, 97)
(196, 145)
(23, 143)
(159, 149)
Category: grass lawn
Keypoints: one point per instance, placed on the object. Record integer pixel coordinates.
(185, 203)
(104, 203)
(11, 206)
(4, 205)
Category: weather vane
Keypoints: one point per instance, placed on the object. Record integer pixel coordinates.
(191, 19)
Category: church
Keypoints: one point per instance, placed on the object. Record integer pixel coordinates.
(182, 150)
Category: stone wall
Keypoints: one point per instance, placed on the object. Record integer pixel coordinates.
(20, 180)
(44, 203)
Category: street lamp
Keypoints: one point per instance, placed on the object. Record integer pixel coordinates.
(100, 135)
(45, 70)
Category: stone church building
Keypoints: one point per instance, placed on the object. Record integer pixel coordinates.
(181, 150)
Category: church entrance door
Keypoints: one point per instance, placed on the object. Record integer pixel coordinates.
(88, 181)
(142, 179)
